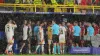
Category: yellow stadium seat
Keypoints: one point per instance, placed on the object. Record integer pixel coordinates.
(70, 2)
(37, 2)
(17, 1)
(54, 2)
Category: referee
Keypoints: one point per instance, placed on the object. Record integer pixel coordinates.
(55, 32)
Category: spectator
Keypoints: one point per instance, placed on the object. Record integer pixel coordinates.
(60, 1)
(28, 1)
(70, 3)
(78, 2)
(84, 4)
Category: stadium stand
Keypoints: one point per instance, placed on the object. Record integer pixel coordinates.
(70, 6)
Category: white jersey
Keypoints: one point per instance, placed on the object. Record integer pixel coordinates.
(25, 31)
(62, 30)
(62, 34)
(9, 30)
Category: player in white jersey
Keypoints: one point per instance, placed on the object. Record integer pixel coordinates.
(41, 38)
(62, 38)
(9, 31)
(25, 35)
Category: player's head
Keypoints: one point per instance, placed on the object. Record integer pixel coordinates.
(63, 23)
(29, 22)
(41, 24)
(25, 22)
(38, 22)
(75, 23)
(94, 24)
(60, 24)
(53, 22)
(49, 23)
(68, 24)
(88, 24)
(10, 21)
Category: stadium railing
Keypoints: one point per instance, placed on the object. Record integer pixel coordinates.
(33, 7)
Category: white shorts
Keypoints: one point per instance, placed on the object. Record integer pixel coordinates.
(25, 37)
(61, 38)
(10, 40)
(49, 41)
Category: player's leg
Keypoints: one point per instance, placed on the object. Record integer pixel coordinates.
(6, 51)
(29, 45)
(57, 44)
(42, 48)
(60, 40)
(10, 42)
(49, 43)
(63, 43)
(54, 44)
(61, 48)
(24, 41)
(38, 46)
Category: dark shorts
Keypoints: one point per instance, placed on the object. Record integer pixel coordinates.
(55, 38)
(76, 39)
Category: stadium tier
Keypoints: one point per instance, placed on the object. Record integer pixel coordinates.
(64, 6)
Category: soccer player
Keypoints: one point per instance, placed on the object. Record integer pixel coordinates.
(62, 38)
(9, 30)
(76, 33)
(41, 38)
(55, 32)
(25, 35)
(96, 29)
(29, 35)
(49, 28)
(70, 31)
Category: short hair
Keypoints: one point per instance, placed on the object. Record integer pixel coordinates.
(76, 22)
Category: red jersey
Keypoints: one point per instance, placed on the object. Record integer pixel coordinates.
(83, 2)
(82, 30)
(1, 1)
(70, 31)
(96, 30)
(71, 28)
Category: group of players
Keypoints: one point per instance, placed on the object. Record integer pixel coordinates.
(57, 33)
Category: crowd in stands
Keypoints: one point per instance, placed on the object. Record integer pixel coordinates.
(68, 2)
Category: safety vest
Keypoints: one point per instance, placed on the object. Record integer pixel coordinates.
(37, 2)
(70, 2)
(17, 1)
(54, 2)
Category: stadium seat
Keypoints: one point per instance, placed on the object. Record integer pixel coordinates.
(54, 2)
(17, 1)
(70, 2)
(38, 2)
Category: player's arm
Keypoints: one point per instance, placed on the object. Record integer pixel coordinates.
(5, 28)
(87, 31)
(14, 24)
